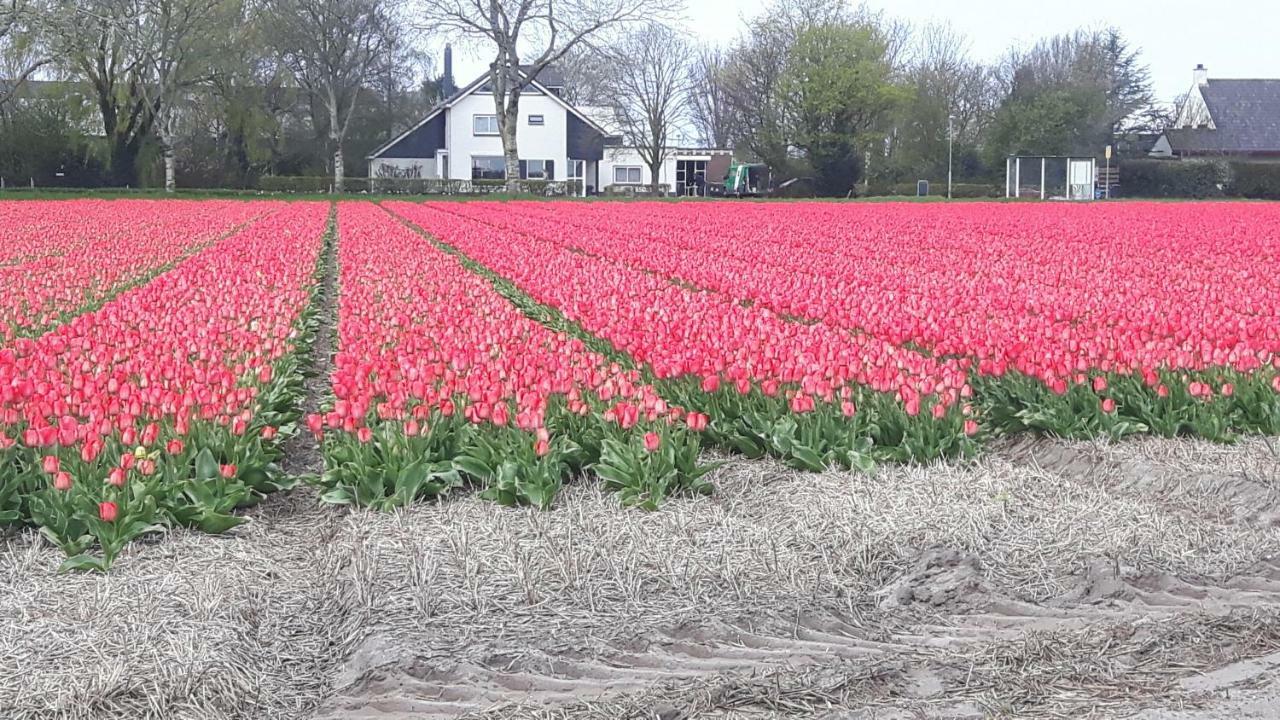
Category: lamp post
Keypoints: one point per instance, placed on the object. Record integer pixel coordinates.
(950, 143)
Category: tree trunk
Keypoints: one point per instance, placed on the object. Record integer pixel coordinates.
(123, 163)
(170, 170)
(337, 169)
(653, 178)
(511, 155)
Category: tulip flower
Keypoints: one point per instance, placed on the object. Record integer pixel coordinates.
(108, 511)
(62, 481)
(652, 441)
(50, 464)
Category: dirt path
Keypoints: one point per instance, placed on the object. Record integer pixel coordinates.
(1044, 580)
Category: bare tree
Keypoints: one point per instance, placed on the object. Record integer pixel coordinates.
(551, 28)
(333, 48)
(21, 58)
(174, 39)
(708, 98)
(650, 84)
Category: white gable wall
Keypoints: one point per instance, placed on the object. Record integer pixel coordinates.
(1195, 111)
(544, 142)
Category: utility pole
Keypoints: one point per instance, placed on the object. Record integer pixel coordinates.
(950, 154)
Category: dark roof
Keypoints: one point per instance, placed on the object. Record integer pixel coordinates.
(1246, 118)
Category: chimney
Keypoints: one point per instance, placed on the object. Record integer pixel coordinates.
(447, 86)
(1201, 75)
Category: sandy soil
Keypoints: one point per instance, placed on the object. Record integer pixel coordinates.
(1046, 579)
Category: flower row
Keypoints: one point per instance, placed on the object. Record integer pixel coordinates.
(841, 390)
(440, 380)
(59, 257)
(163, 407)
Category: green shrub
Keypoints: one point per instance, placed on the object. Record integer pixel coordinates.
(1255, 180)
(1172, 178)
(938, 190)
(309, 184)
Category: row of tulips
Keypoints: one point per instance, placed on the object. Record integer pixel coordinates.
(59, 258)
(1179, 302)
(165, 406)
(807, 392)
(440, 381)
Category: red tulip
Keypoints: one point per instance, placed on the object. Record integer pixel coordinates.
(364, 435)
(268, 432)
(117, 477)
(62, 481)
(970, 428)
(50, 464)
(652, 441)
(541, 447)
(174, 447)
(1108, 405)
(228, 471)
(108, 511)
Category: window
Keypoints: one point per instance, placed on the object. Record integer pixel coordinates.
(538, 169)
(537, 120)
(484, 124)
(485, 167)
(626, 175)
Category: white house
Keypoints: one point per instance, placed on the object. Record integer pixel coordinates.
(458, 140)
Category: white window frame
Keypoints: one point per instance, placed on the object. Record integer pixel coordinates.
(475, 121)
(639, 173)
(538, 120)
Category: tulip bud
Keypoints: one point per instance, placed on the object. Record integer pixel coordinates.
(174, 447)
(652, 441)
(541, 447)
(108, 511)
(229, 471)
(117, 477)
(364, 435)
(62, 481)
(50, 464)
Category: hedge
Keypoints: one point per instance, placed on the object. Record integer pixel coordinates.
(1254, 180)
(1172, 178)
(938, 190)
(309, 184)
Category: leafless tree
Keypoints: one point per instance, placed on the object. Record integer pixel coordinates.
(21, 57)
(176, 41)
(333, 48)
(650, 84)
(708, 101)
(548, 29)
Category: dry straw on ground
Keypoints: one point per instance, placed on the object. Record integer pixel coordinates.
(1044, 579)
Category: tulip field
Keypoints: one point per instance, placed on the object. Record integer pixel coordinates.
(152, 353)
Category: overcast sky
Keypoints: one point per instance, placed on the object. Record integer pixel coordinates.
(1234, 38)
